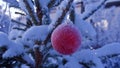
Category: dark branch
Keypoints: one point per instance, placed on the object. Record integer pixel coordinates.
(31, 12)
(14, 21)
(19, 28)
(29, 23)
(60, 19)
(39, 11)
(82, 7)
(113, 3)
(72, 14)
(20, 13)
(52, 2)
(38, 55)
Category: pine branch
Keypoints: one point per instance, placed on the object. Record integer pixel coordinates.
(9, 61)
(38, 55)
(82, 7)
(31, 12)
(93, 11)
(72, 14)
(29, 23)
(39, 11)
(60, 19)
(38, 58)
(46, 53)
(42, 12)
(19, 58)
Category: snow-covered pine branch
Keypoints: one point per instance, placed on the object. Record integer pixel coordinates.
(63, 8)
(39, 7)
(93, 58)
(90, 11)
(108, 50)
(12, 3)
(12, 51)
(30, 11)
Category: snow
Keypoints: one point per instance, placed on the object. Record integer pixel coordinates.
(4, 22)
(77, 1)
(13, 35)
(108, 49)
(90, 7)
(103, 24)
(58, 13)
(27, 43)
(44, 3)
(53, 52)
(63, 4)
(51, 26)
(35, 47)
(111, 32)
(28, 59)
(22, 5)
(36, 33)
(52, 60)
(88, 56)
(3, 39)
(14, 49)
(85, 27)
(13, 3)
(24, 66)
(72, 64)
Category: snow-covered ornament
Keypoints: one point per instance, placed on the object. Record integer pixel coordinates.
(66, 38)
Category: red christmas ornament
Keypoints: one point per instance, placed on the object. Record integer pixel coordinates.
(66, 39)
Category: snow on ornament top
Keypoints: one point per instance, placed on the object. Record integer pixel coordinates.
(66, 38)
(36, 33)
